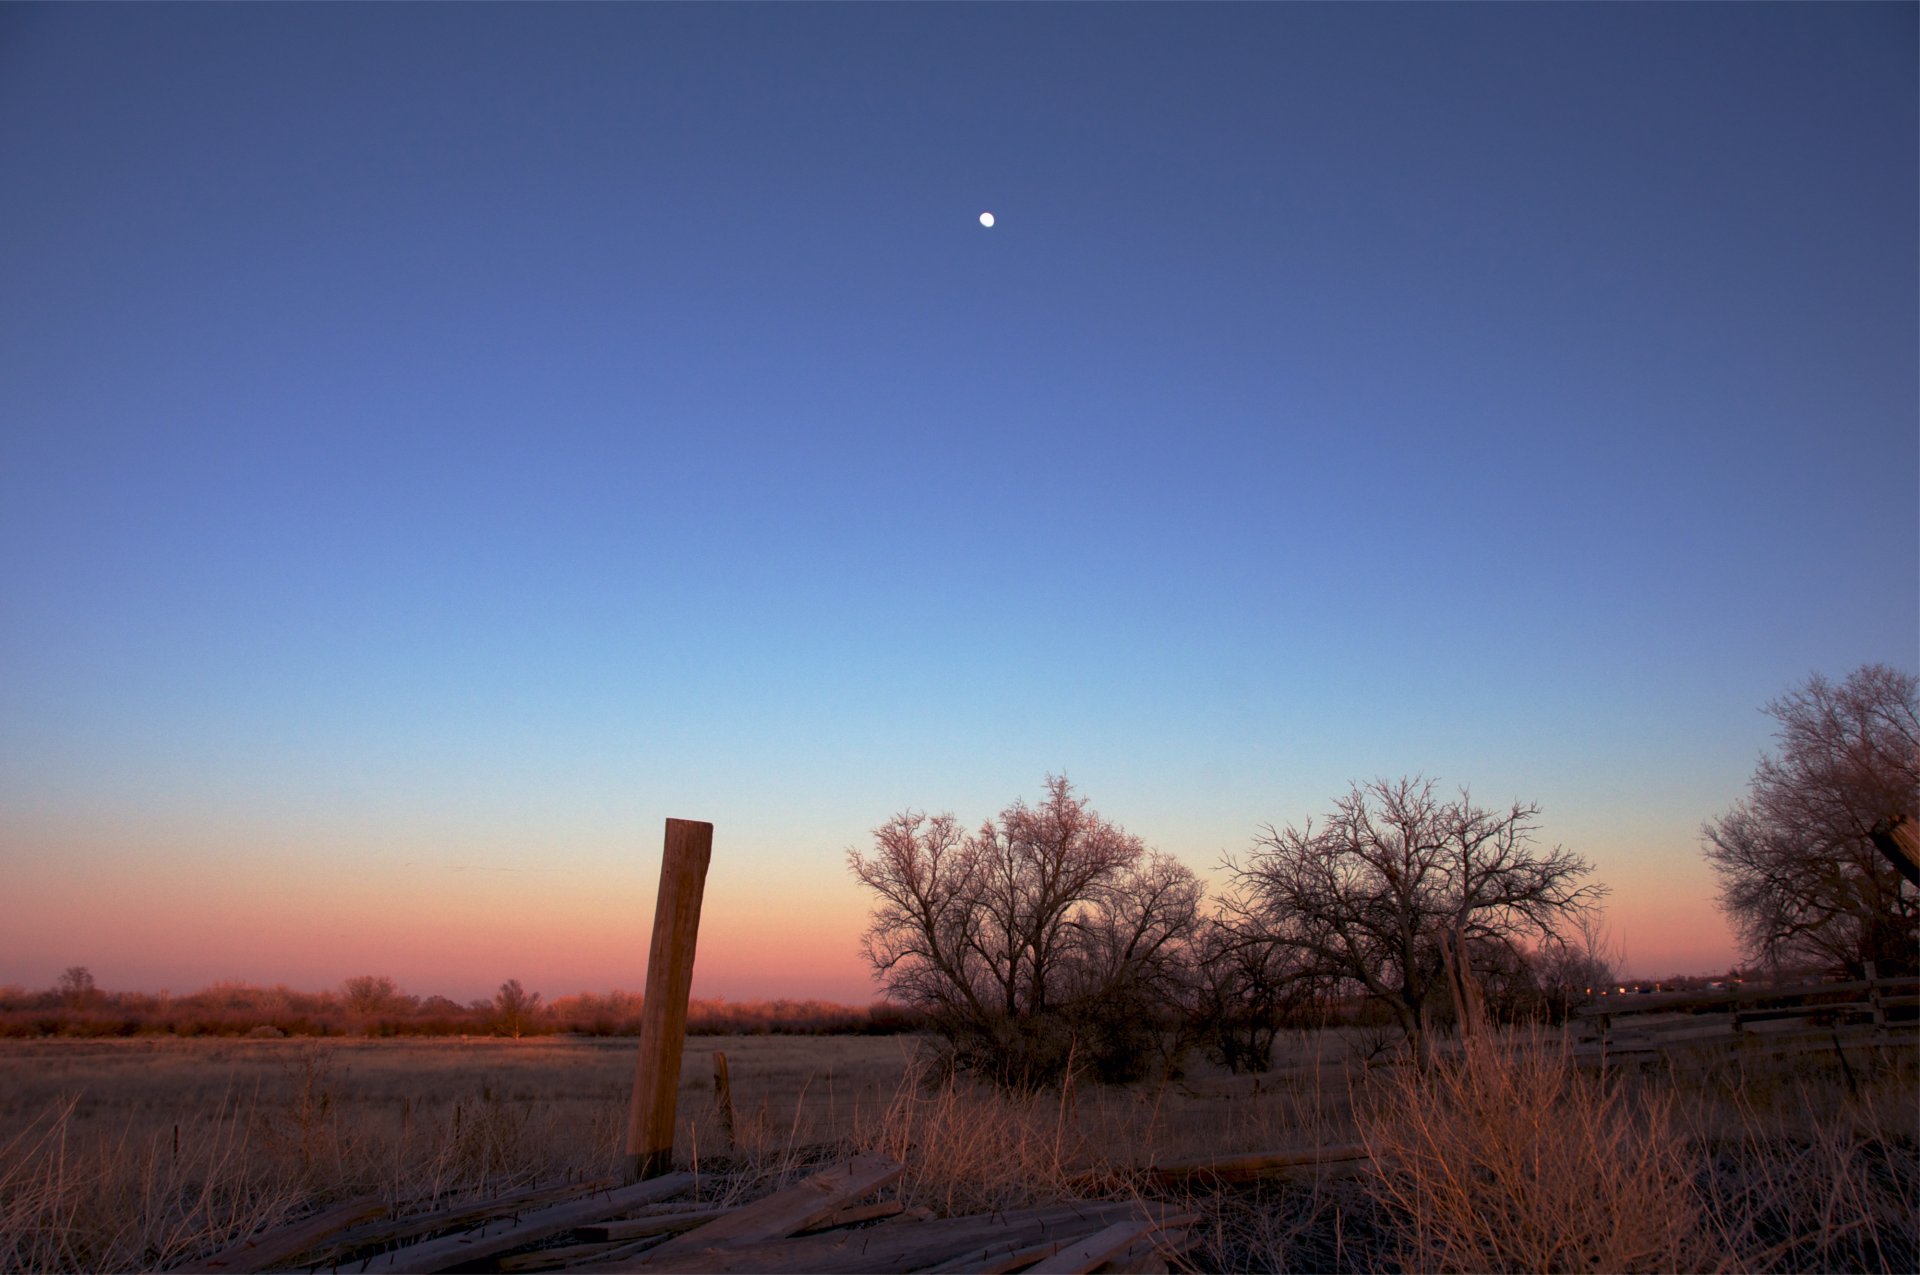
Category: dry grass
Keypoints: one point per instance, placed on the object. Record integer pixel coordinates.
(1507, 1157)
(142, 1155)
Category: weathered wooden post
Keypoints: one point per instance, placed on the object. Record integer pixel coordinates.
(663, 1017)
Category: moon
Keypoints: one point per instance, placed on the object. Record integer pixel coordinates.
(986, 219)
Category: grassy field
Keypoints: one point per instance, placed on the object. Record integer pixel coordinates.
(141, 1154)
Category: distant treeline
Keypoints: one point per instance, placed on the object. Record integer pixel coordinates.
(374, 1006)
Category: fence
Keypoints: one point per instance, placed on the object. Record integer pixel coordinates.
(1633, 1026)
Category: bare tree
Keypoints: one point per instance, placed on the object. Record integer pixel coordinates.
(1570, 974)
(1394, 874)
(1801, 875)
(516, 1006)
(1131, 970)
(1006, 935)
(369, 994)
(76, 986)
(1245, 989)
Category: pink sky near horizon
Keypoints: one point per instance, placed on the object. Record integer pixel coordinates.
(773, 927)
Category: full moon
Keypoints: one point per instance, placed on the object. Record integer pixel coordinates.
(986, 219)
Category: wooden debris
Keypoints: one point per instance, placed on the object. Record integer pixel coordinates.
(814, 1225)
(531, 1228)
(888, 1248)
(286, 1242)
(1232, 1169)
(806, 1203)
(654, 1224)
(1087, 1255)
(380, 1235)
(854, 1216)
(553, 1259)
(997, 1259)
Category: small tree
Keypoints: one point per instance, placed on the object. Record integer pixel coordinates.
(1019, 940)
(1800, 874)
(516, 1007)
(1397, 875)
(76, 987)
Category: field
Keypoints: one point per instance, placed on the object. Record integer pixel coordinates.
(140, 1154)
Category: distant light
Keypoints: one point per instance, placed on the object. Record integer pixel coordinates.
(986, 219)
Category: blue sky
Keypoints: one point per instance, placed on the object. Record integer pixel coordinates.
(440, 442)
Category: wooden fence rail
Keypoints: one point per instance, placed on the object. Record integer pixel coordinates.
(1866, 1009)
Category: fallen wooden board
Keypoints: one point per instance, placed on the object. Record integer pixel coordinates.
(336, 1248)
(855, 1215)
(653, 1224)
(804, 1204)
(531, 1228)
(1084, 1256)
(997, 1259)
(285, 1242)
(1232, 1168)
(551, 1259)
(890, 1214)
(909, 1247)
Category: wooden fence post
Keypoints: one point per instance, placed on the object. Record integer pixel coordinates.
(663, 1016)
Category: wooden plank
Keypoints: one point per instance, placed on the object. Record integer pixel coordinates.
(1083, 1256)
(997, 1259)
(854, 1216)
(1252, 1167)
(663, 1014)
(1141, 1259)
(286, 1242)
(1153, 1255)
(654, 1224)
(804, 1204)
(383, 1234)
(552, 1259)
(887, 1248)
(531, 1228)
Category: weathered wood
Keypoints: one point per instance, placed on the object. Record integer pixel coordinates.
(1141, 1259)
(1082, 1256)
(382, 1234)
(855, 1215)
(1155, 1254)
(997, 1259)
(663, 1015)
(1252, 1167)
(552, 1259)
(530, 1228)
(804, 1204)
(283, 1243)
(654, 1224)
(888, 1247)
(1898, 839)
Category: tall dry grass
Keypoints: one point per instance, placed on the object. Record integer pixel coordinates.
(1511, 1159)
(79, 1193)
(1507, 1157)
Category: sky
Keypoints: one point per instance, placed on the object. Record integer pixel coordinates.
(440, 443)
